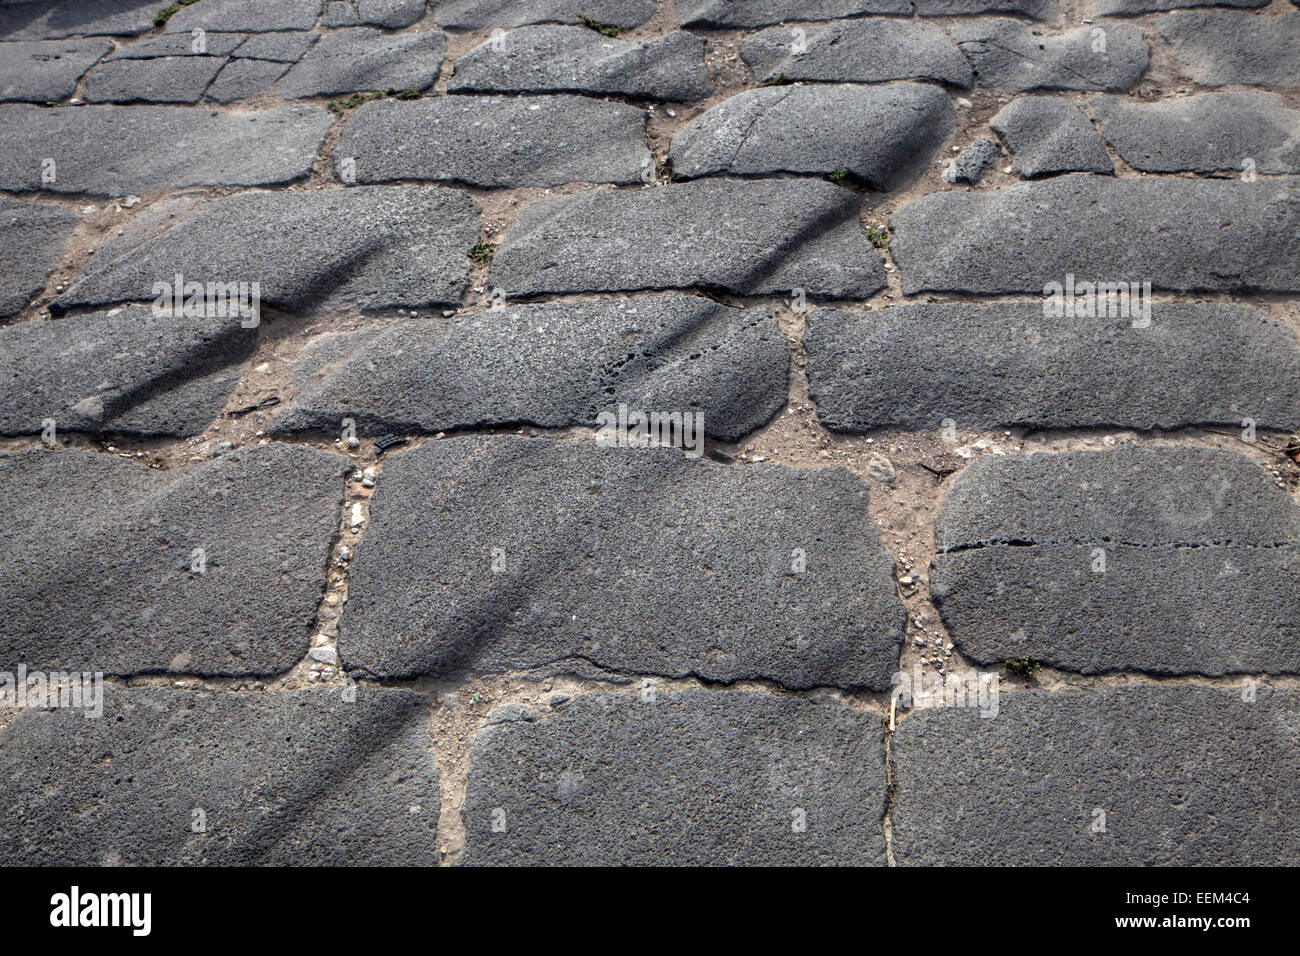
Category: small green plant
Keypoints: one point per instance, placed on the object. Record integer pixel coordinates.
(1025, 667)
(602, 28)
(879, 237)
(344, 103)
(779, 80)
(483, 251)
(162, 16)
(838, 175)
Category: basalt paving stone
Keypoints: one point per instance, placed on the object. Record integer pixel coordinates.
(102, 555)
(390, 14)
(1177, 234)
(367, 247)
(553, 366)
(755, 237)
(1011, 55)
(975, 160)
(638, 560)
(881, 134)
(246, 16)
(561, 59)
(493, 141)
(478, 14)
(363, 58)
(288, 778)
(42, 71)
(181, 44)
(280, 47)
(339, 13)
(56, 19)
(762, 13)
(170, 79)
(1223, 47)
(240, 79)
(1130, 7)
(1049, 134)
(32, 238)
(1008, 364)
(115, 150)
(693, 778)
(1208, 133)
(1161, 559)
(1162, 764)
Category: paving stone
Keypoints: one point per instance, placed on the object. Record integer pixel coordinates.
(552, 365)
(1008, 364)
(762, 13)
(339, 13)
(492, 141)
(1223, 47)
(1049, 134)
(973, 162)
(1163, 764)
(1208, 133)
(390, 14)
(180, 44)
(368, 247)
(32, 237)
(247, 16)
(101, 550)
(115, 150)
(758, 237)
(286, 778)
(363, 58)
(478, 14)
(280, 47)
(171, 79)
(1161, 559)
(240, 79)
(692, 778)
(1177, 234)
(1038, 9)
(881, 134)
(43, 71)
(1131, 7)
(1011, 55)
(561, 59)
(637, 560)
(56, 19)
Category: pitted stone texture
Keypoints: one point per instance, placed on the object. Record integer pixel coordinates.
(1208, 133)
(369, 247)
(496, 141)
(1163, 763)
(1161, 559)
(180, 44)
(1011, 55)
(280, 47)
(45, 71)
(247, 16)
(168, 79)
(639, 560)
(694, 778)
(32, 238)
(240, 79)
(1049, 134)
(102, 550)
(762, 13)
(1223, 47)
(881, 134)
(286, 778)
(975, 160)
(363, 58)
(561, 59)
(1131, 7)
(1008, 364)
(390, 14)
(758, 237)
(115, 150)
(56, 19)
(478, 14)
(1177, 234)
(339, 13)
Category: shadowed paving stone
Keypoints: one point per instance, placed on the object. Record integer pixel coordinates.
(115, 150)
(1177, 234)
(475, 14)
(1222, 47)
(1161, 559)
(46, 71)
(756, 237)
(390, 14)
(560, 59)
(369, 247)
(363, 58)
(1038, 9)
(55, 19)
(881, 134)
(551, 365)
(975, 160)
(640, 560)
(288, 778)
(280, 47)
(32, 238)
(1010, 55)
(247, 16)
(1129, 7)
(170, 79)
(692, 778)
(1007, 364)
(101, 552)
(241, 79)
(180, 44)
(1049, 134)
(761, 13)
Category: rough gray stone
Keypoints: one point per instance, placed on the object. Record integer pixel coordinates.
(758, 237)
(45, 71)
(880, 134)
(762, 13)
(1223, 47)
(477, 14)
(167, 79)
(975, 160)
(101, 552)
(1049, 134)
(363, 58)
(32, 238)
(287, 778)
(1038, 9)
(1123, 8)
(390, 14)
(1178, 234)
(339, 13)
(246, 16)
(280, 47)
(1011, 55)
(640, 560)
(241, 79)
(692, 778)
(56, 19)
(180, 44)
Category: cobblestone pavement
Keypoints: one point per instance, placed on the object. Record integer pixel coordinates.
(331, 335)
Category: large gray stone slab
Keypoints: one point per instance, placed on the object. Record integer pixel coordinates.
(1131, 7)
(478, 14)
(1161, 559)
(32, 237)
(1011, 55)
(363, 58)
(762, 13)
(281, 778)
(369, 247)
(705, 778)
(1177, 234)
(562, 59)
(637, 560)
(116, 150)
(1223, 47)
(280, 47)
(169, 79)
(102, 550)
(881, 134)
(56, 19)
(1049, 134)
(45, 71)
(1159, 768)
(757, 237)
(390, 14)
(240, 79)
(180, 44)
(247, 16)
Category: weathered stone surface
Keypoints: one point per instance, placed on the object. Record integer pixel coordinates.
(761, 13)
(280, 47)
(56, 19)
(551, 365)
(1164, 764)
(881, 134)
(42, 71)
(1209, 133)
(114, 150)
(975, 160)
(1162, 559)
(1178, 234)
(32, 238)
(640, 560)
(240, 79)
(180, 44)
(496, 141)
(363, 58)
(1038, 9)
(692, 778)
(1222, 47)
(339, 13)
(1011, 55)
(101, 550)
(1049, 134)
(1131, 7)
(390, 14)
(247, 16)
(369, 247)
(562, 59)
(283, 778)
(1004, 364)
(169, 79)
(747, 237)
(477, 14)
